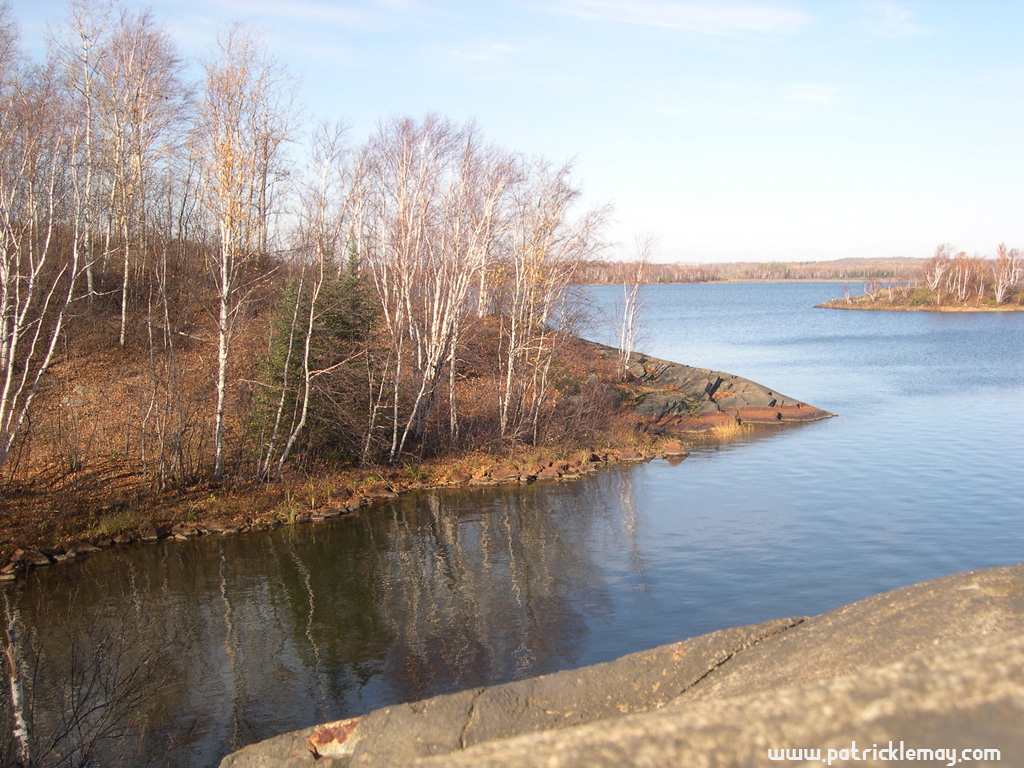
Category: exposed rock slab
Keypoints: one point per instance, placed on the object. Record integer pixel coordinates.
(684, 398)
(937, 665)
(881, 630)
(444, 725)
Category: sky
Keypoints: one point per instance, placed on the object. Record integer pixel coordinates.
(731, 131)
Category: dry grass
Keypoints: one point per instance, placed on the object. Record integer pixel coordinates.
(726, 432)
(79, 472)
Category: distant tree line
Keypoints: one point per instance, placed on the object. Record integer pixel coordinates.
(841, 269)
(621, 273)
(625, 272)
(193, 283)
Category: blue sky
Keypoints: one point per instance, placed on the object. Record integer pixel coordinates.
(747, 131)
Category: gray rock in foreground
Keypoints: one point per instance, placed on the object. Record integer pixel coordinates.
(937, 665)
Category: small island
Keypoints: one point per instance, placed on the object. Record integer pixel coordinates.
(948, 283)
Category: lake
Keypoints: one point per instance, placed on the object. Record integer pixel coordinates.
(918, 476)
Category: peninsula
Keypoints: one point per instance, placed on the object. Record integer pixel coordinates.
(654, 408)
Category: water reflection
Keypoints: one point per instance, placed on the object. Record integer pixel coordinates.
(427, 594)
(920, 476)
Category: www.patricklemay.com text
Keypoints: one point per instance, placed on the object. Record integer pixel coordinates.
(891, 751)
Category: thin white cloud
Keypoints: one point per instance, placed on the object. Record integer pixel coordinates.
(812, 93)
(892, 20)
(709, 18)
(323, 12)
(482, 53)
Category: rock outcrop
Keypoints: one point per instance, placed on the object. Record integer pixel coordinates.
(684, 398)
(934, 666)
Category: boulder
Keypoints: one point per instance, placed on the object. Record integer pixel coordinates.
(78, 548)
(937, 665)
(222, 526)
(379, 490)
(674, 448)
(658, 405)
(183, 531)
(502, 475)
(30, 558)
(444, 725)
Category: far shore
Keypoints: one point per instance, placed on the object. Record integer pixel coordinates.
(741, 281)
(864, 303)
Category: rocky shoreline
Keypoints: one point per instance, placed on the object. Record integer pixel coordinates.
(935, 665)
(24, 559)
(672, 402)
(681, 399)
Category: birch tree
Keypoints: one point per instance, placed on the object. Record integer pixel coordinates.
(322, 239)
(240, 103)
(81, 46)
(936, 269)
(481, 221)
(631, 301)
(547, 248)
(1005, 272)
(143, 104)
(431, 219)
(36, 285)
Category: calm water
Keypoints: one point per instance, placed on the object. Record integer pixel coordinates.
(919, 476)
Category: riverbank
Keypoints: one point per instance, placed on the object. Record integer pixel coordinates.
(661, 409)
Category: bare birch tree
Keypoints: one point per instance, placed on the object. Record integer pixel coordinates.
(936, 269)
(432, 213)
(632, 303)
(81, 45)
(36, 286)
(143, 103)
(240, 102)
(546, 250)
(1005, 272)
(481, 221)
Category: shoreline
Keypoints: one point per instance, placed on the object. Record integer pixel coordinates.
(666, 407)
(859, 304)
(741, 281)
(365, 495)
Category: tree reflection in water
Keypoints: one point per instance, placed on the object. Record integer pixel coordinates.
(430, 593)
